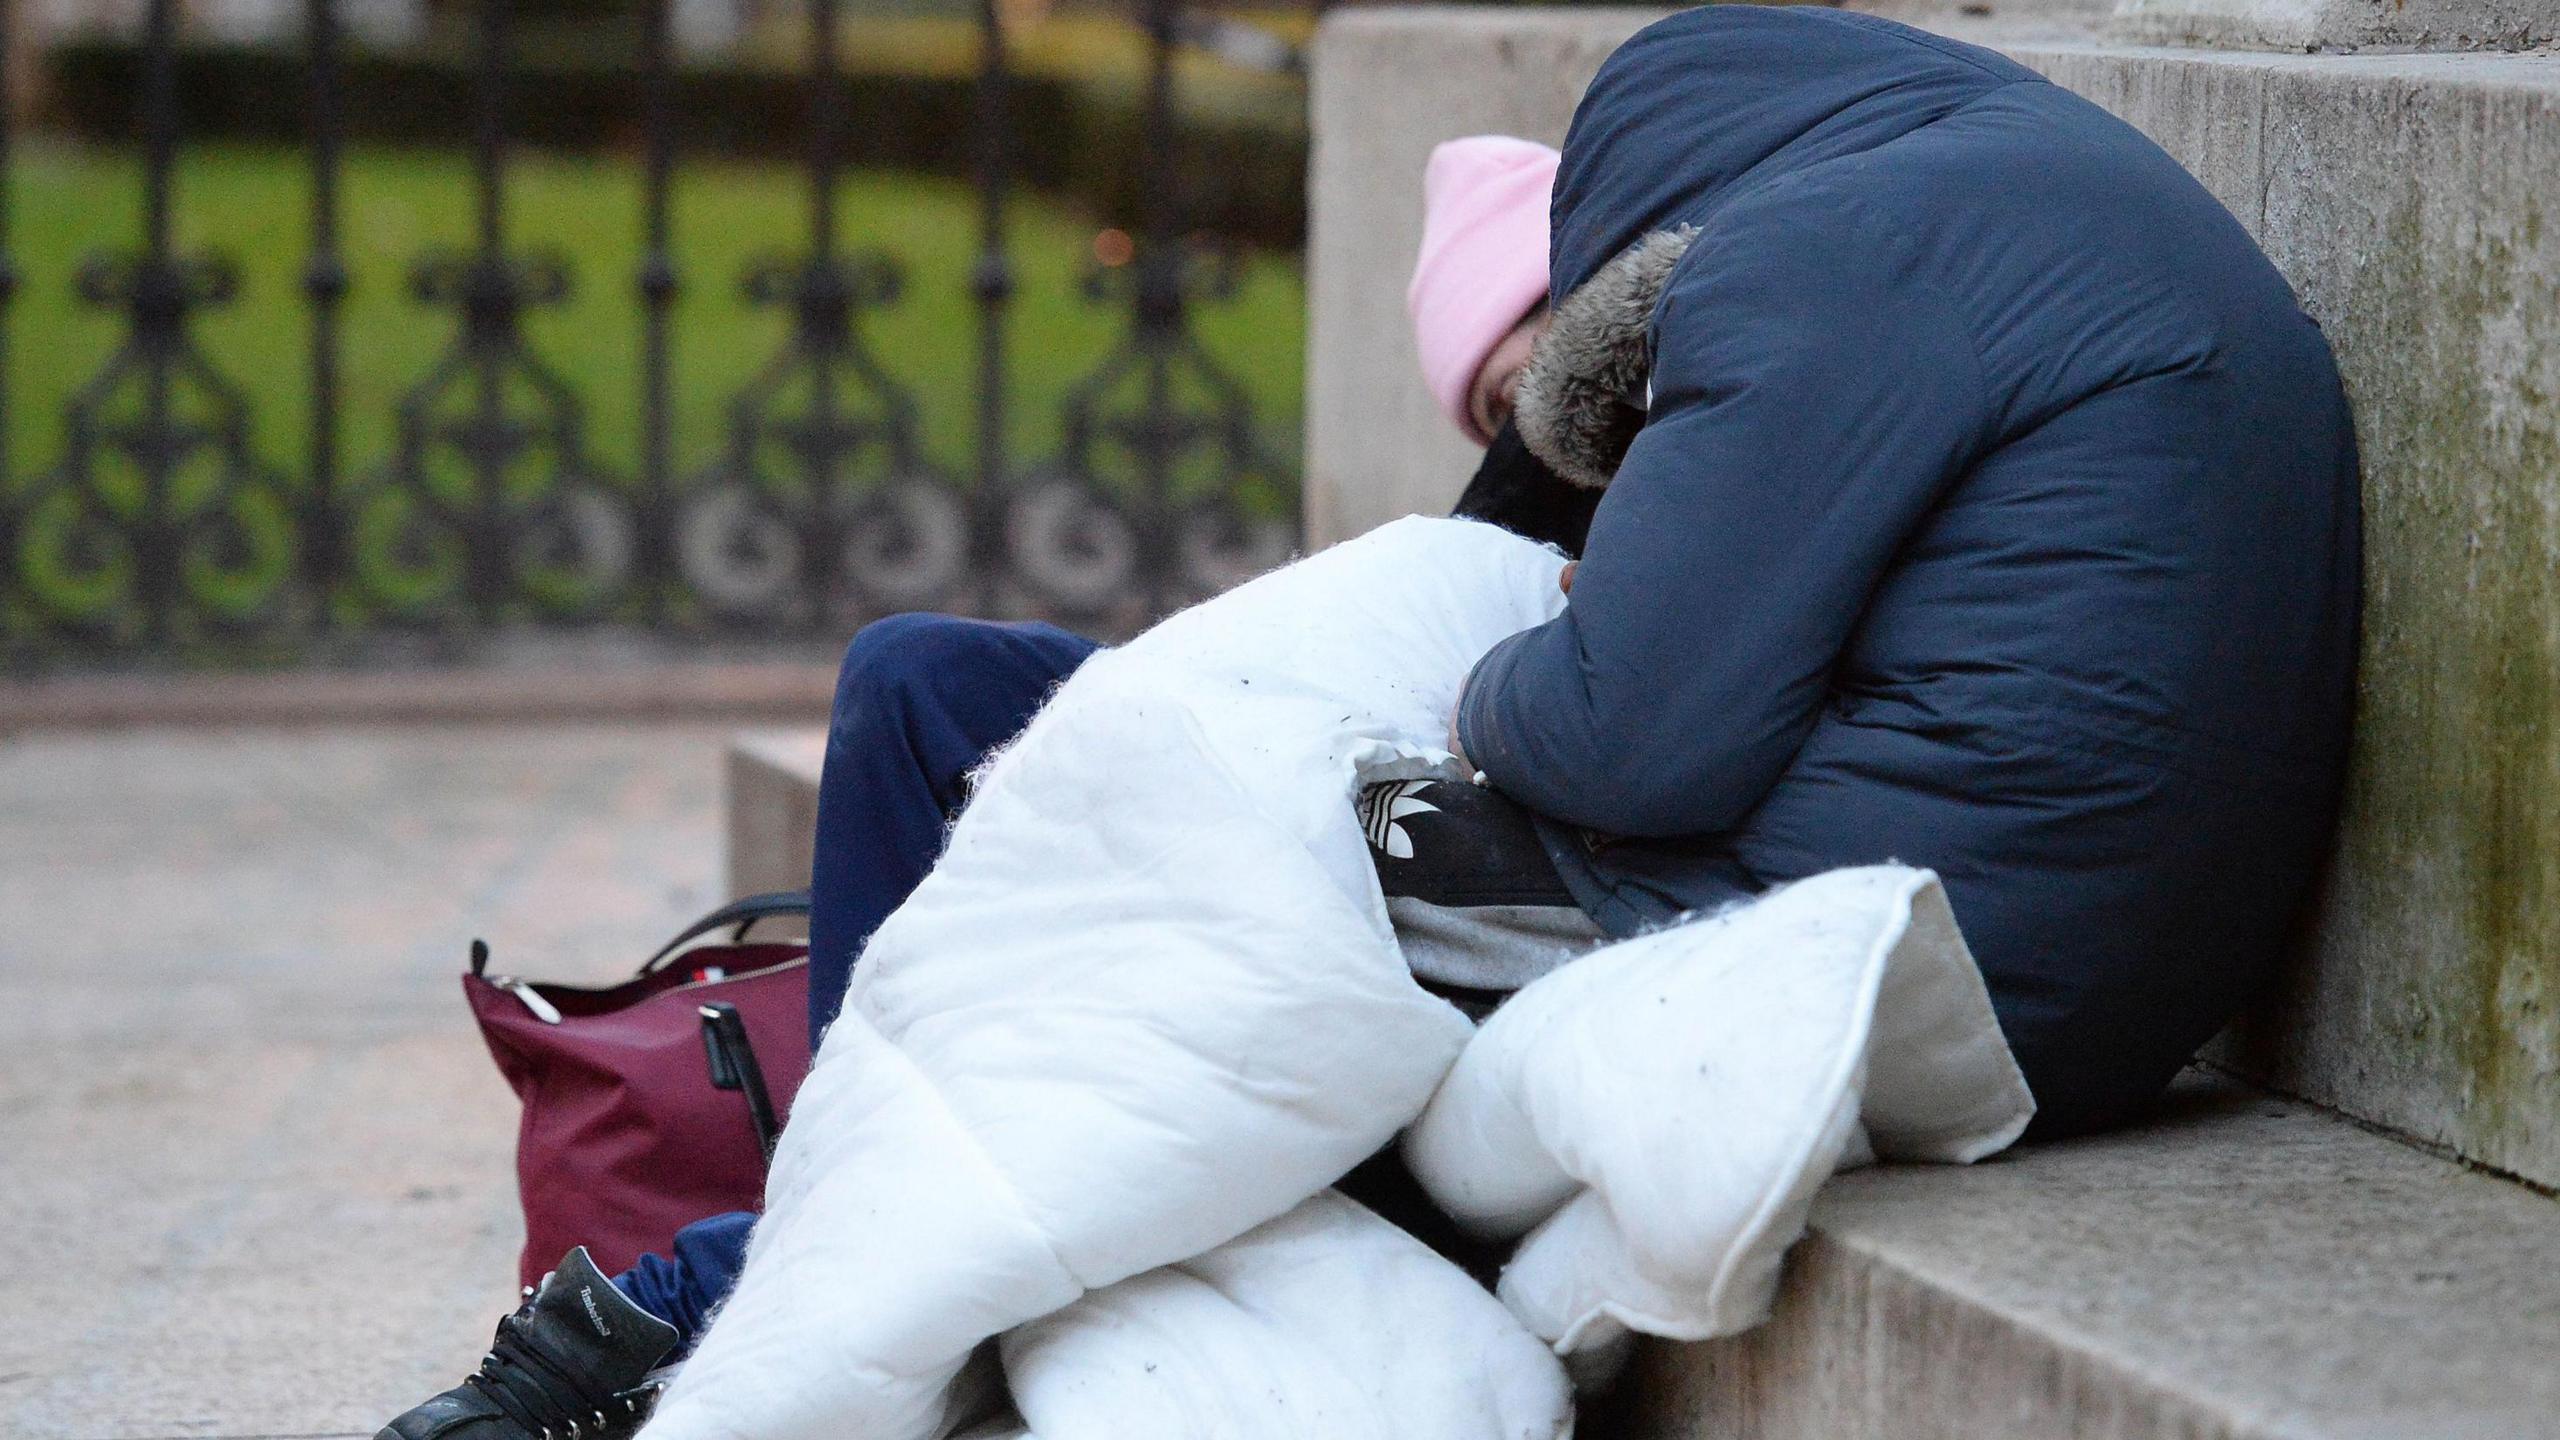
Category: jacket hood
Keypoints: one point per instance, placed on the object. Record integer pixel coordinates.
(1697, 104)
(1692, 111)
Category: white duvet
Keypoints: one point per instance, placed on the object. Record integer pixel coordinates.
(1061, 1169)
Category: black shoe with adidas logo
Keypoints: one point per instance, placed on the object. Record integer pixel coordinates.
(574, 1363)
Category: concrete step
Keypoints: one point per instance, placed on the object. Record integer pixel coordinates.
(2245, 1268)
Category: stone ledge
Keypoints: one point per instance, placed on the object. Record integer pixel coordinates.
(2246, 1268)
(740, 691)
(772, 804)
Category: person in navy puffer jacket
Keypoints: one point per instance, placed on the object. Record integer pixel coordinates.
(1977, 496)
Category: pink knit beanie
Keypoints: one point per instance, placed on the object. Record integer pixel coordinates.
(1484, 258)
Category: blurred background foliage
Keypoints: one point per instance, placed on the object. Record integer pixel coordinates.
(574, 182)
(909, 88)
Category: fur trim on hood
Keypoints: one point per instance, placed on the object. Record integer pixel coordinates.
(1582, 397)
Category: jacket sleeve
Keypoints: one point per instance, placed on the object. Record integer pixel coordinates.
(1812, 397)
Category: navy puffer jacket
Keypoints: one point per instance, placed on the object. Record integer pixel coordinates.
(1978, 497)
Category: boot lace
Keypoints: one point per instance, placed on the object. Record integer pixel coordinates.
(546, 1400)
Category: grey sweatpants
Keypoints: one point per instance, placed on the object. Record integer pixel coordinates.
(1488, 947)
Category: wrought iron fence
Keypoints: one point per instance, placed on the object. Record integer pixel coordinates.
(165, 525)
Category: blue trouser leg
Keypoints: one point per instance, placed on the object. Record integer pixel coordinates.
(683, 1286)
(920, 702)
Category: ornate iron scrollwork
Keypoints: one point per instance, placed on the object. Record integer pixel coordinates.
(490, 502)
(1144, 503)
(160, 524)
(1146, 500)
(821, 508)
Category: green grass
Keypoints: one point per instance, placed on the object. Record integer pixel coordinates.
(253, 205)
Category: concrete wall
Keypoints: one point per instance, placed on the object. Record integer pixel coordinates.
(2341, 25)
(1387, 86)
(2414, 200)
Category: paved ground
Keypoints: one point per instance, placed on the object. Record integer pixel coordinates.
(254, 1165)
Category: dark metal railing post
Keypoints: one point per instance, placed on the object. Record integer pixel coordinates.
(159, 309)
(141, 537)
(490, 506)
(658, 284)
(822, 507)
(824, 311)
(8, 295)
(489, 307)
(1161, 278)
(1159, 206)
(324, 280)
(991, 285)
(10, 499)
(826, 127)
(1150, 411)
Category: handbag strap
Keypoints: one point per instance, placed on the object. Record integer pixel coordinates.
(741, 913)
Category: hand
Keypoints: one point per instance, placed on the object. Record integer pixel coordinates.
(1455, 748)
(1564, 577)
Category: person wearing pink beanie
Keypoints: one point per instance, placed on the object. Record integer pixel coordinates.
(1478, 297)
(1478, 303)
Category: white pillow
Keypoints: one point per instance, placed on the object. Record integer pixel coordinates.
(1325, 1322)
(1656, 1116)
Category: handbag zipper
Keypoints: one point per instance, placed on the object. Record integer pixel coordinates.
(549, 1014)
(543, 1010)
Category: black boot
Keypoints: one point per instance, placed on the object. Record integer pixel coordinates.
(573, 1364)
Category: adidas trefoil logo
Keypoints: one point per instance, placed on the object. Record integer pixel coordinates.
(1381, 806)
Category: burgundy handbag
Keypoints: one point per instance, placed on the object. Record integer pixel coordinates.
(653, 1103)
